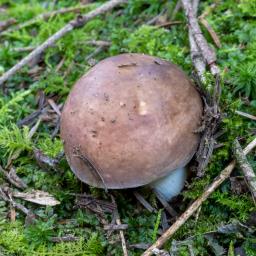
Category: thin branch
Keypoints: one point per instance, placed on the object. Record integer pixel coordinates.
(155, 19)
(202, 54)
(247, 170)
(5, 24)
(8, 198)
(95, 52)
(115, 227)
(207, 52)
(166, 205)
(144, 202)
(23, 49)
(212, 33)
(168, 24)
(98, 43)
(176, 9)
(121, 232)
(240, 113)
(207, 11)
(13, 178)
(79, 22)
(196, 55)
(194, 206)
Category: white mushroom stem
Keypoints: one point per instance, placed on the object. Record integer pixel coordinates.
(170, 185)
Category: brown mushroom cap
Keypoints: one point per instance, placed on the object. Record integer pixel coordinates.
(130, 121)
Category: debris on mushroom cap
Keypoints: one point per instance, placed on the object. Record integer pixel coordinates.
(130, 121)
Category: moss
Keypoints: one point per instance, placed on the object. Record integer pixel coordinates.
(235, 26)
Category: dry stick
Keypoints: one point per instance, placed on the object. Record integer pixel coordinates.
(207, 11)
(144, 202)
(196, 55)
(13, 178)
(248, 172)
(98, 43)
(207, 52)
(80, 21)
(166, 205)
(211, 115)
(121, 232)
(169, 23)
(115, 227)
(23, 49)
(155, 19)
(8, 198)
(176, 9)
(5, 24)
(94, 53)
(245, 115)
(212, 33)
(194, 206)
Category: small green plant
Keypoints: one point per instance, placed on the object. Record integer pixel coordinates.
(14, 138)
(50, 147)
(40, 232)
(248, 7)
(156, 226)
(8, 106)
(244, 79)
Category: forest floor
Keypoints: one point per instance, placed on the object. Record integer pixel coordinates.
(71, 218)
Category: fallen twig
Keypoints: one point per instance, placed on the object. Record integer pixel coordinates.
(121, 232)
(141, 246)
(169, 23)
(202, 54)
(240, 113)
(5, 24)
(93, 204)
(164, 221)
(207, 11)
(115, 227)
(194, 206)
(56, 129)
(23, 49)
(79, 22)
(6, 196)
(144, 202)
(31, 118)
(54, 106)
(13, 178)
(212, 33)
(196, 55)
(166, 205)
(156, 18)
(44, 161)
(246, 168)
(95, 52)
(176, 9)
(98, 43)
(207, 52)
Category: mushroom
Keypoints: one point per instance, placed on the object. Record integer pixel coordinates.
(131, 121)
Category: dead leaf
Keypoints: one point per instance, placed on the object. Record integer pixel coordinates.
(38, 197)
